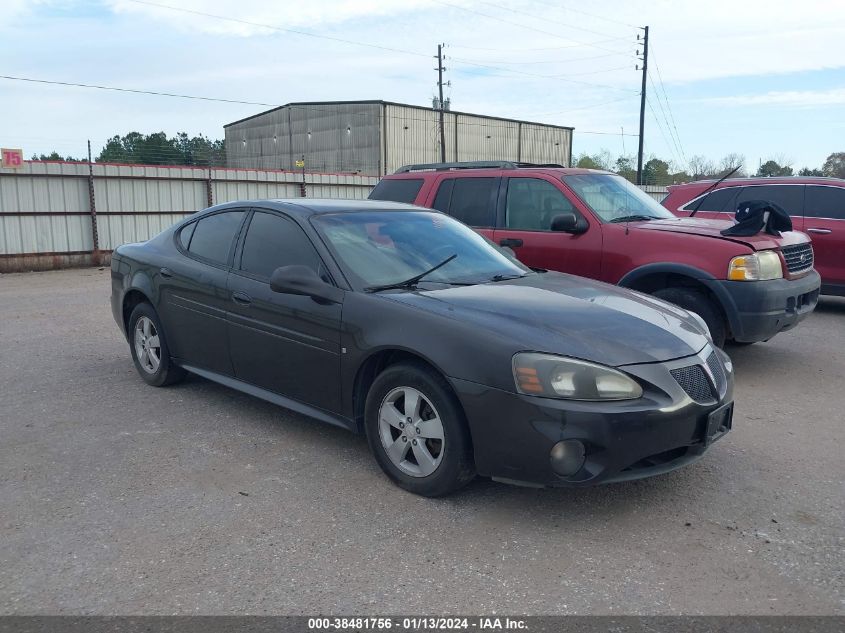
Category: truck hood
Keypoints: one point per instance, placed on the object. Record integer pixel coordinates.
(571, 316)
(711, 228)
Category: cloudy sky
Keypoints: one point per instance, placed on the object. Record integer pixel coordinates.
(764, 78)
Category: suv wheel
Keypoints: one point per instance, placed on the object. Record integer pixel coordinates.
(696, 301)
(417, 431)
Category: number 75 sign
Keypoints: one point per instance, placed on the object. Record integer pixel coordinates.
(12, 158)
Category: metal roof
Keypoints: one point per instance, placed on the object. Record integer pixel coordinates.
(393, 103)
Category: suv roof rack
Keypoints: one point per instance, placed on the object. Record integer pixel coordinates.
(478, 164)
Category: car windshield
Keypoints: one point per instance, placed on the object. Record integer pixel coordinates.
(387, 247)
(614, 199)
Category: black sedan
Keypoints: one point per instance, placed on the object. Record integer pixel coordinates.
(404, 324)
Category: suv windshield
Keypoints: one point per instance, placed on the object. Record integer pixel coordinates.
(614, 199)
(387, 247)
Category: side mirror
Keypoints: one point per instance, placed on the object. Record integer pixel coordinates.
(301, 280)
(567, 223)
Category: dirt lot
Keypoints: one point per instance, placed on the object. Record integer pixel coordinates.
(120, 498)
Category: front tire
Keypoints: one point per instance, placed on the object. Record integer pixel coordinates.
(150, 352)
(417, 431)
(695, 301)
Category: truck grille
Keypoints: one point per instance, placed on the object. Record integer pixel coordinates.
(718, 372)
(799, 258)
(694, 381)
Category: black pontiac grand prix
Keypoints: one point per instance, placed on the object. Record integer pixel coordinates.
(404, 324)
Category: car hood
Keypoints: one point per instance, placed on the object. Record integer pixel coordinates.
(568, 315)
(713, 228)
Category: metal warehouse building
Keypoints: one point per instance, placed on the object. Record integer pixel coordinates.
(377, 137)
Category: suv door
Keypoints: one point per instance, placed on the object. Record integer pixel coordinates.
(527, 206)
(824, 221)
(193, 290)
(285, 343)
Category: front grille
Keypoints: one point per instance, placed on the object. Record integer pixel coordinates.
(799, 257)
(694, 381)
(718, 372)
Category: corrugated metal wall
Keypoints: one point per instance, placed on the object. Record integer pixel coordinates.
(377, 138)
(331, 137)
(45, 210)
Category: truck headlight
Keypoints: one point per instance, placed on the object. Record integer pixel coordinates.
(755, 267)
(552, 376)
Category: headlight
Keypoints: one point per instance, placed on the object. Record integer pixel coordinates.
(755, 267)
(559, 377)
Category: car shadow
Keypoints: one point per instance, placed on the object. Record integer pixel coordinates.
(831, 305)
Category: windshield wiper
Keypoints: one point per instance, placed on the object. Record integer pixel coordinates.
(506, 277)
(410, 283)
(633, 218)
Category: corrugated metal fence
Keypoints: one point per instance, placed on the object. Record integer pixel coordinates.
(54, 215)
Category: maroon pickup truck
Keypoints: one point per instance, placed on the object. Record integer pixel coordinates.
(597, 224)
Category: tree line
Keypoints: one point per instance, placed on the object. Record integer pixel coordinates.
(154, 149)
(660, 172)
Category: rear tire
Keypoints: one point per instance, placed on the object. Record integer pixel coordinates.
(696, 301)
(417, 431)
(150, 352)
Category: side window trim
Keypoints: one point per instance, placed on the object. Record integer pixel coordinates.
(689, 205)
(232, 246)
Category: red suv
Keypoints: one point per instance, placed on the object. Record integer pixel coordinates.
(817, 207)
(597, 224)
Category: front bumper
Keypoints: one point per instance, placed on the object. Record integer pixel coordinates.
(757, 310)
(513, 434)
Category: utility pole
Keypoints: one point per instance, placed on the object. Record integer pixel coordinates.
(440, 69)
(642, 109)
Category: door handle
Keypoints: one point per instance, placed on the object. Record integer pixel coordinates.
(165, 272)
(511, 242)
(820, 231)
(241, 298)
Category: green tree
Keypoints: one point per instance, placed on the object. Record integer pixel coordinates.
(656, 172)
(158, 149)
(54, 155)
(625, 168)
(806, 171)
(772, 168)
(834, 165)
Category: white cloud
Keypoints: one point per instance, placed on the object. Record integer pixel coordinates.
(788, 98)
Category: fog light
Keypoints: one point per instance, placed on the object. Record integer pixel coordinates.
(567, 457)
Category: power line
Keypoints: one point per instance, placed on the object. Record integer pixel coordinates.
(668, 106)
(542, 48)
(524, 26)
(558, 5)
(593, 105)
(546, 19)
(135, 91)
(279, 28)
(538, 62)
(538, 76)
(660, 127)
(665, 118)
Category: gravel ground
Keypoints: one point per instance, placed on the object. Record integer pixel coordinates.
(119, 498)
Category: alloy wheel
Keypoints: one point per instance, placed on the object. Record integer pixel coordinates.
(411, 431)
(147, 345)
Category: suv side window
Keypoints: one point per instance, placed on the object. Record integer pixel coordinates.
(214, 235)
(720, 200)
(825, 202)
(273, 241)
(397, 190)
(790, 197)
(532, 203)
(469, 200)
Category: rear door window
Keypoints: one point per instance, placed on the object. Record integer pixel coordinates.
(790, 197)
(470, 200)
(397, 190)
(825, 202)
(214, 234)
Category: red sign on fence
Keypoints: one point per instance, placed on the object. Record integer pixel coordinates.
(12, 158)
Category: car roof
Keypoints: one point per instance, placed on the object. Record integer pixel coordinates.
(494, 171)
(306, 207)
(766, 180)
